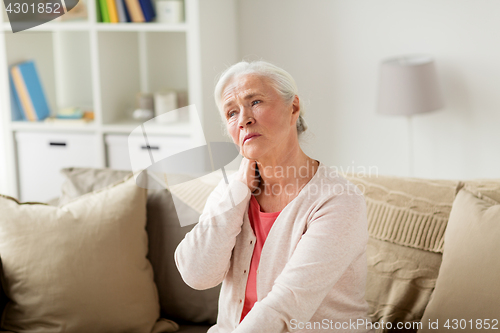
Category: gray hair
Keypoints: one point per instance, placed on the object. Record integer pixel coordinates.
(280, 79)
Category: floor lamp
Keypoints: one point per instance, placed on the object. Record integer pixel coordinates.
(408, 85)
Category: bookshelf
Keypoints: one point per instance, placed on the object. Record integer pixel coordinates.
(104, 65)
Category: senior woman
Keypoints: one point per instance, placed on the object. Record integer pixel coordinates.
(286, 235)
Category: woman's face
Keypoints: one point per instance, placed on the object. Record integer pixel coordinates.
(251, 106)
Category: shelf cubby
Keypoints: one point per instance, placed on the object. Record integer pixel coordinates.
(145, 62)
(62, 60)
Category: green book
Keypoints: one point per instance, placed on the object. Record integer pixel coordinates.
(104, 11)
(98, 16)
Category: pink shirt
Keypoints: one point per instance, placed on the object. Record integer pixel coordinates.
(261, 224)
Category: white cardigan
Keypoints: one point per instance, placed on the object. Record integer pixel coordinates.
(312, 271)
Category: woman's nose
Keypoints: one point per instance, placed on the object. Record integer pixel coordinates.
(246, 118)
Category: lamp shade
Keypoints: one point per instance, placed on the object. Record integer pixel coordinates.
(408, 85)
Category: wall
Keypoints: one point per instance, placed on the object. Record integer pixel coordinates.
(219, 49)
(333, 49)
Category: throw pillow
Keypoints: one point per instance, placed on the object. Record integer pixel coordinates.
(177, 300)
(80, 267)
(79, 181)
(486, 187)
(467, 288)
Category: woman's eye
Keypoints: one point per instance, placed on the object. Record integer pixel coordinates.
(231, 113)
(255, 102)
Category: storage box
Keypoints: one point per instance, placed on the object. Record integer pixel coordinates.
(132, 153)
(42, 155)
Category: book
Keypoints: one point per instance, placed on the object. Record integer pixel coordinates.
(113, 14)
(148, 10)
(135, 11)
(30, 91)
(104, 10)
(17, 113)
(22, 92)
(71, 116)
(70, 113)
(120, 10)
(62, 121)
(98, 11)
(127, 15)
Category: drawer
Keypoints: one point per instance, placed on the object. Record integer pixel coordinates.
(131, 152)
(41, 156)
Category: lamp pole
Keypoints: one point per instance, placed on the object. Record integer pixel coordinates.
(410, 147)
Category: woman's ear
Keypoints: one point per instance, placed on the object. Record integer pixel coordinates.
(295, 110)
(296, 105)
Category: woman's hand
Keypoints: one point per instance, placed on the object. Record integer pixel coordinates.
(247, 174)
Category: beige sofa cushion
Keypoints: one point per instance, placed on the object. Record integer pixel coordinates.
(177, 300)
(468, 287)
(81, 267)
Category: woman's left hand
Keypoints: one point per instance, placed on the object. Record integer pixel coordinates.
(247, 174)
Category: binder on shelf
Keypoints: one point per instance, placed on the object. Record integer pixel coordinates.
(22, 93)
(17, 113)
(148, 10)
(30, 91)
(98, 11)
(120, 10)
(113, 14)
(127, 15)
(135, 11)
(104, 10)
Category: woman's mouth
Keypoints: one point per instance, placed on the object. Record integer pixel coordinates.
(250, 137)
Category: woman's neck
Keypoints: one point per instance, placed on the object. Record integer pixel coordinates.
(292, 171)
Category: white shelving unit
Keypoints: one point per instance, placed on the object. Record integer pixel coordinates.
(104, 66)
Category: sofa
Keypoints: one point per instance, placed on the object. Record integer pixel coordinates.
(431, 255)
